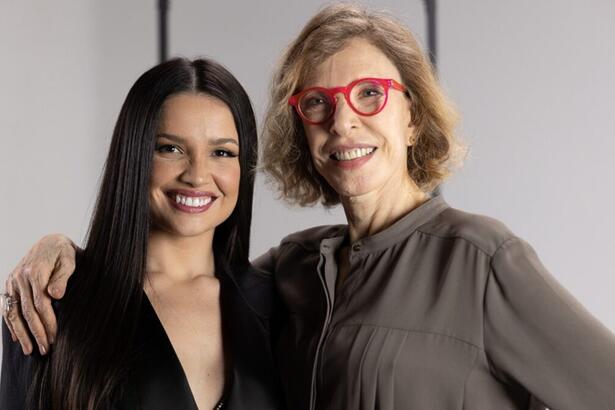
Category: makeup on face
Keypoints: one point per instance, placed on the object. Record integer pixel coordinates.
(189, 201)
(195, 172)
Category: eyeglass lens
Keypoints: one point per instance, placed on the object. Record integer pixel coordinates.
(366, 97)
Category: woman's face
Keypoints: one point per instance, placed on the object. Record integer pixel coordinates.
(383, 138)
(195, 172)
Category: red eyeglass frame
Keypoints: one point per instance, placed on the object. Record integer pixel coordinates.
(386, 83)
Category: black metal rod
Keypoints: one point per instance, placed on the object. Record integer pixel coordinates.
(163, 8)
(432, 43)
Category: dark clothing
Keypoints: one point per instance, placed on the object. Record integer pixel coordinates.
(442, 310)
(157, 378)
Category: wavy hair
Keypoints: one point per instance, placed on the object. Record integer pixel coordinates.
(285, 153)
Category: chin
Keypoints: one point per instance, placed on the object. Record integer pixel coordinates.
(191, 232)
(354, 188)
(185, 230)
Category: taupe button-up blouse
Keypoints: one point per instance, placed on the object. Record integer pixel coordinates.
(442, 310)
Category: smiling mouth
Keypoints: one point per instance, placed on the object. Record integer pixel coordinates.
(195, 202)
(191, 203)
(349, 155)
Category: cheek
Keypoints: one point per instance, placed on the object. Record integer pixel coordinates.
(227, 178)
(163, 172)
(316, 138)
(396, 132)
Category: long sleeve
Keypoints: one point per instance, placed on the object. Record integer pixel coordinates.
(266, 262)
(539, 336)
(15, 373)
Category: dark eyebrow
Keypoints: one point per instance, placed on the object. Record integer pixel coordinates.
(175, 138)
(216, 141)
(222, 141)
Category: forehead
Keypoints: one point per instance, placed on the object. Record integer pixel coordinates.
(357, 59)
(194, 115)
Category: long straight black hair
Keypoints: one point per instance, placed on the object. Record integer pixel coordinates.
(98, 316)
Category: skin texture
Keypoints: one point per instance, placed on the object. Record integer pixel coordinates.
(41, 274)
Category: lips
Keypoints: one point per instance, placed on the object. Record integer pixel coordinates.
(353, 156)
(348, 155)
(191, 201)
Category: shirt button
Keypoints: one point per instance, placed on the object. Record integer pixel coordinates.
(356, 247)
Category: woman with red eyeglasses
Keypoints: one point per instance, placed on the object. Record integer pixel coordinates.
(412, 304)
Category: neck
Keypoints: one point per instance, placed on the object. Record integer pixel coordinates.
(179, 258)
(375, 211)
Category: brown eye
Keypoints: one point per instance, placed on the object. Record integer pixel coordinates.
(167, 149)
(371, 92)
(223, 153)
(314, 102)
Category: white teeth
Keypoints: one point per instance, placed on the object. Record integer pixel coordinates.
(353, 154)
(192, 201)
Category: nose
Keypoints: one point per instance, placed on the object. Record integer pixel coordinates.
(344, 118)
(197, 171)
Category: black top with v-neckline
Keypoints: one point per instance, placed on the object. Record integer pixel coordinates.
(157, 379)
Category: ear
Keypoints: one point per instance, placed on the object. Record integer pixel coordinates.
(410, 135)
(411, 129)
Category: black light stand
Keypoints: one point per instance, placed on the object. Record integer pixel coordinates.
(432, 45)
(430, 9)
(163, 8)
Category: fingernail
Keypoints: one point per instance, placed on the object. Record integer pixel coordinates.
(42, 349)
(52, 340)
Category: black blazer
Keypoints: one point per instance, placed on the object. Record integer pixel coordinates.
(157, 379)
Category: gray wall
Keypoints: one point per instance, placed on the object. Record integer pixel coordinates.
(533, 81)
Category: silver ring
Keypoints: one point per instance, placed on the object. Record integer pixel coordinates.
(6, 303)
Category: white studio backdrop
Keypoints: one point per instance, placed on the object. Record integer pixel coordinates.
(533, 81)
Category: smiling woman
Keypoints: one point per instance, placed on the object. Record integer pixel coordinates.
(163, 295)
(412, 304)
(196, 146)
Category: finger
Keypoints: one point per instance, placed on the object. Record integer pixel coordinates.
(9, 327)
(19, 329)
(42, 258)
(8, 285)
(42, 304)
(64, 269)
(31, 315)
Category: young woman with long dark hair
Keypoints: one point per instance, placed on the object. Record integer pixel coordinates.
(412, 304)
(163, 297)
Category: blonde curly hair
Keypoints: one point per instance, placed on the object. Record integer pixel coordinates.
(285, 153)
